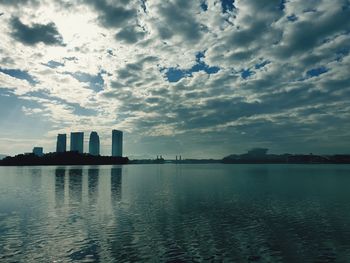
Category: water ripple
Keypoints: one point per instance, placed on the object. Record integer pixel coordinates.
(143, 214)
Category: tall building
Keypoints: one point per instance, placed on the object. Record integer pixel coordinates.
(94, 144)
(38, 151)
(61, 145)
(117, 143)
(77, 141)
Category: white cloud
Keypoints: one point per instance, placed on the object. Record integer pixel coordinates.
(130, 54)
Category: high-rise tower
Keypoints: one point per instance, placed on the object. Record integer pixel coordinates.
(77, 141)
(38, 151)
(94, 144)
(61, 143)
(117, 143)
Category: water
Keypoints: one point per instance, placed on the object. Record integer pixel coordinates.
(175, 213)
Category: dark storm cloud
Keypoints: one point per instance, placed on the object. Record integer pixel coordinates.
(35, 33)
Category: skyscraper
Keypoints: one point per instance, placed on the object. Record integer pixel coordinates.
(117, 143)
(61, 145)
(77, 141)
(38, 151)
(94, 144)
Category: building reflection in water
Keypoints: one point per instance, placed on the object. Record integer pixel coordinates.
(93, 175)
(75, 185)
(116, 184)
(96, 186)
(59, 185)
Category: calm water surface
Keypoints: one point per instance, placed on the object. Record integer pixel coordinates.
(175, 213)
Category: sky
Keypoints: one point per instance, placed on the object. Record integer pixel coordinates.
(200, 79)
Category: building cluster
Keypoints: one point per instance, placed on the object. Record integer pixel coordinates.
(77, 143)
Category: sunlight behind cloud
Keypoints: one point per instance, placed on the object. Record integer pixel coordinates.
(246, 70)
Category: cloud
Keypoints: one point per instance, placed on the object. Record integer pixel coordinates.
(35, 33)
(111, 15)
(17, 2)
(176, 19)
(196, 77)
(175, 74)
(314, 29)
(129, 35)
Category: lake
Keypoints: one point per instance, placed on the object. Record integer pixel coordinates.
(175, 213)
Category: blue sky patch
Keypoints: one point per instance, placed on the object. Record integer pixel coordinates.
(14, 120)
(143, 5)
(227, 5)
(96, 82)
(316, 72)
(19, 74)
(262, 64)
(292, 18)
(246, 73)
(341, 53)
(282, 4)
(54, 64)
(77, 109)
(175, 74)
(204, 5)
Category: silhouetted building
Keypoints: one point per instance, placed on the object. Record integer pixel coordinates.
(117, 143)
(38, 151)
(61, 145)
(94, 144)
(77, 141)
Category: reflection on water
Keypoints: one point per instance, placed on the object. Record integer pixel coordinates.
(93, 174)
(59, 186)
(116, 183)
(75, 185)
(175, 213)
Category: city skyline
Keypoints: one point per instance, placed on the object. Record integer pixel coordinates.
(77, 141)
(197, 78)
